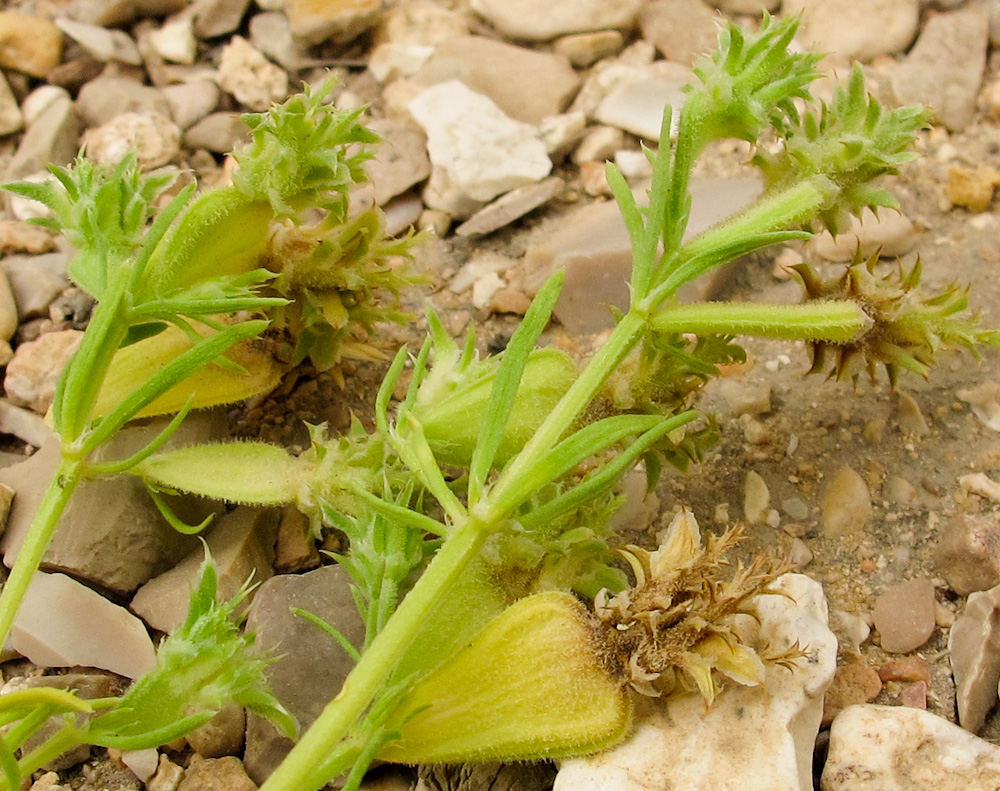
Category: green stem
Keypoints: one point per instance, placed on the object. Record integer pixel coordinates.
(64, 482)
(839, 321)
(298, 772)
(57, 744)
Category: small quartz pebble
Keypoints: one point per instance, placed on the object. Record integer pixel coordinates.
(167, 776)
(889, 234)
(853, 683)
(11, 116)
(142, 763)
(974, 650)
(175, 41)
(968, 553)
(914, 695)
(980, 483)
(904, 615)
(636, 104)
(751, 738)
(102, 43)
(507, 208)
(846, 505)
(216, 774)
(898, 748)
(250, 77)
(984, 400)
(681, 29)
(585, 49)
(64, 623)
(756, 498)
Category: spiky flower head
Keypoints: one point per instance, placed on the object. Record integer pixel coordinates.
(908, 328)
(678, 629)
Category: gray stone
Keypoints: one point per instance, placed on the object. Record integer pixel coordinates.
(339, 21)
(904, 615)
(271, 34)
(682, 30)
(534, 21)
(218, 132)
(752, 7)
(401, 159)
(311, 666)
(476, 149)
(190, 102)
(102, 43)
(62, 623)
(585, 49)
(507, 208)
(898, 748)
(109, 96)
(968, 553)
(944, 70)
(222, 735)
(856, 30)
(217, 17)
(111, 534)
(107, 13)
(52, 138)
(242, 545)
(527, 85)
(751, 738)
(636, 103)
(974, 651)
(36, 280)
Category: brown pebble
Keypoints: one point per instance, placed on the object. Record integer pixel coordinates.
(904, 615)
(853, 683)
(971, 188)
(846, 506)
(914, 695)
(868, 566)
(907, 668)
(968, 554)
(509, 300)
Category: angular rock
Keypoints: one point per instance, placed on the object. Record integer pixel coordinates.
(27, 426)
(311, 667)
(250, 77)
(847, 503)
(904, 615)
(112, 13)
(271, 34)
(756, 498)
(585, 49)
(533, 21)
(20, 237)
(968, 553)
(216, 774)
(36, 281)
(190, 102)
(175, 40)
(856, 30)
(222, 735)
(636, 103)
(217, 132)
(37, 365)
(153, 138)
(241, 544)
(109, 96)
(855, 682)
(52, 138)
(29, 44)
(751, 7)
(895, 748)
(340, 21)
(592, 246)
(401, 161)
(111, 534)
(889, 234)
(217, 17)
(507, 208)
(102, 43)
(63, 623)
(750, 739)
(974, 651)
(944, 70)
(682, 30)
(984, 400)
(474, 147)
(982, 484)
(971, 188)
(11, 117)
(526, 85)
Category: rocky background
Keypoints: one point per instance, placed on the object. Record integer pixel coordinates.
(497, 117)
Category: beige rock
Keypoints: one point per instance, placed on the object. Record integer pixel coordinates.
(153, 138)
(974, 651)
(34, 372)
(756, 498)
(507, 208)
(30, 44)
(64, 623)
(11, 117)
(218, 774)
(682, 30)
(314, 21)
(968, 554)
(904, 615)
(971, 188)
(846, 506)
(222, 735)
(585, 49)
(853, 683)
(984, 400)
(101, 43)
(21, 237)
(856, 30)
(167, 777)
(294, 548)
(889, 234)
(402, 158)
(534, 21)
(250, 77)
(982, 484)
(423, 23)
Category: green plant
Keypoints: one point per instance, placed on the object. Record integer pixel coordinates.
(486, 493)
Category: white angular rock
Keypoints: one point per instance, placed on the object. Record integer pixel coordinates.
(175, 41)
(974, 651)
(102, 43)
(33, 373)
(751, 739)
(474, 147)
(899, 748)
(889, 234)
(153, 138)
(636, 103)
(250, 77)
(534, 21)
(63, 623)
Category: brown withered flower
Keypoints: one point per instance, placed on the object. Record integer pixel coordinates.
(679, 628)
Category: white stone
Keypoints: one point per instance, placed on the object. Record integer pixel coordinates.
(175, 41)
(853, 29)
(474, 147)
(11, 117)
(250, 77)
(143, 763)
(34, 372)
(63, 623)
(102, 43)
(752, 738)
(888, 234)
(38, 100)
(982, 484)
(636, 104)
(535, 21)
(899, 748)
(153, 138)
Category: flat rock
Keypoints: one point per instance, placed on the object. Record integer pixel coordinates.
(36, 281)
(311, 666)
(103, 99)
(63, 623)
(34, 371)
(526, 85)
(175, 41)
(217, 17)
(533, 21)
(636, 102)
(251, 78)
(846, 504)
(944, 70)
(111, 534)
(854, 682)
(984, 401)
(402, 159)
(751, 7)
(888, 234)
(507, 208)
(52, 138)
(190, 102)
(904, 615)
(217, 132)
(102, 43)
(968, 553)
(8, 308)
(585, 49)
(682, 30)
(340, 21)
(29, 44)
(222, 735)
(271, 34)
(751, 738)
(856, 30)
(474, 147)
(896, 748)
(242, 545)
(974, 650)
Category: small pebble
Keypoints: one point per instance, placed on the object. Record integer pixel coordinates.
(30, 44)
(846, 504)
(250, 77)
(853, 683)
(756, 498)
(971, 188)
(908, 668)
(914, 695)
(968, 553)
(980, 483)
(904, 615)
